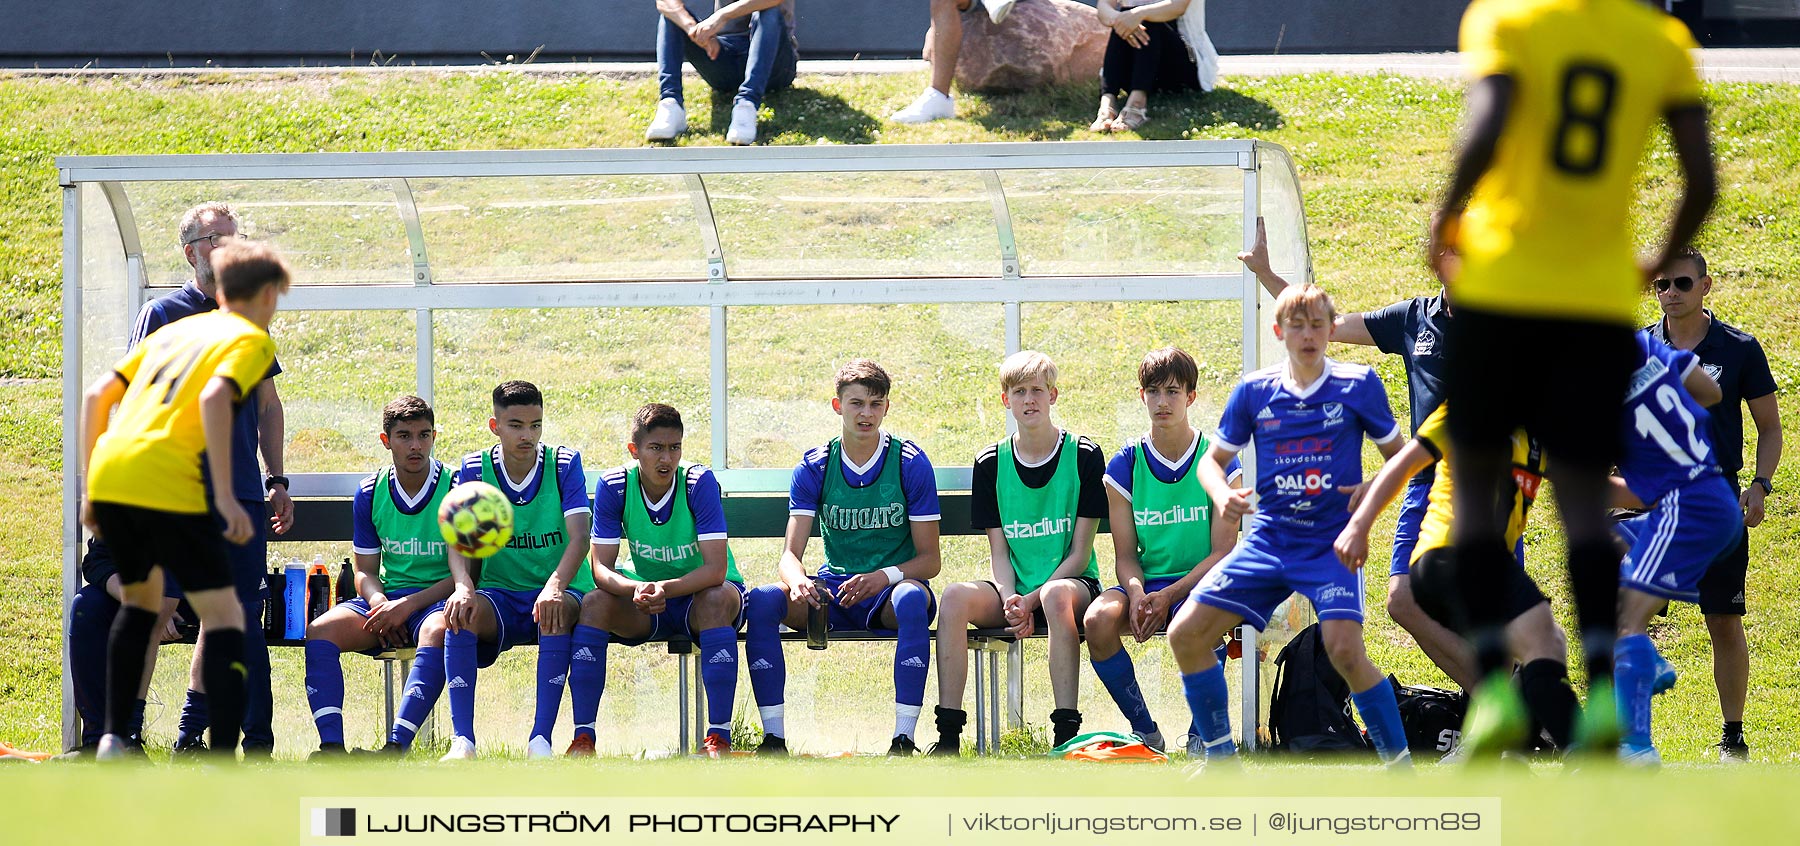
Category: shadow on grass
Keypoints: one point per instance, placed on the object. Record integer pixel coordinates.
(1058, 113)
(806, 112)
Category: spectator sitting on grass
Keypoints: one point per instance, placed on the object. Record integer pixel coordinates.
(747, 46)
(1146, 52)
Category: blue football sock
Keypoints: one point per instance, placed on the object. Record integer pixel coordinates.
(459, 668)
(1634, 671)
(423, 687)
(762, 647)
(719, 676)
(325, 690)
(192, 727)
(912, 654)
(1120, 679)
(1210, 702)
(587, 676)
(552, 677)
(1381, 713)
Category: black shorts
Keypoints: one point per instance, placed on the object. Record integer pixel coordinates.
(1522, 593)
(1564, 381)
(1037, 616)
(189, 547)
(1722, 587)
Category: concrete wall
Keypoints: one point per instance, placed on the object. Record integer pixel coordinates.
(135, 33)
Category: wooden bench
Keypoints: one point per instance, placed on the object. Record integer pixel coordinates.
(756, 506)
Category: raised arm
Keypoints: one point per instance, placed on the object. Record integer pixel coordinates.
(1350, 328)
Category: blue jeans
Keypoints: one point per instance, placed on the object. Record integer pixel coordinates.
(753, 64)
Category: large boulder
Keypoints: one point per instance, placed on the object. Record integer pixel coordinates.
(1043, 42)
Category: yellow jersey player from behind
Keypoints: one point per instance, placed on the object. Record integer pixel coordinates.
(176, 393)
(1533, 240)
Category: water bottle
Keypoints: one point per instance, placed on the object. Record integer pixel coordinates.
(346, 583)
(318, 588)
(818, 618)
(293, 601)
(274, 608)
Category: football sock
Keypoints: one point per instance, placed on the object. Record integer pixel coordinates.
(1210, 703)
(126, 648)
(459, 666)
(136, 728)
(222, 669)
(1120, 679)
(1065, 724)
(587, 677)
(552, 678)
(1545, 685)
(1381, 713)
(912, 654)
(192, 727)
(259, 694)
(90, 629)
(950, 722)
(762, 647)
(423, 687)
(1634, 670)
(1734, 731)
(1594, 574)
(325, 690)
(719, 677)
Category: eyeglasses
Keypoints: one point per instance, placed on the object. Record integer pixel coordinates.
(1683, 284)
(214, 239)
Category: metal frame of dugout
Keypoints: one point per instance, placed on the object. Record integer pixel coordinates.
(105, 279)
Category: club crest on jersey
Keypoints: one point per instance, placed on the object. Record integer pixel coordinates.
(1426, 343)
(1334, 413)
(1310, 482)
(1713, 370)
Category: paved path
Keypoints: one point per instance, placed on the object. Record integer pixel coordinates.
(1724, 64)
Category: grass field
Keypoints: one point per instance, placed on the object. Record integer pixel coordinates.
(1371, 152)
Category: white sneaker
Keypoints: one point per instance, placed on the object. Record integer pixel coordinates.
(931, 105)
(743, 124)
(998, 9)
(539, 747)
(112, 748)
(461, 749)
(670, 121)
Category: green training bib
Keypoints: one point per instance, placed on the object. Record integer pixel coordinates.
(1173, 519)
(864, 529)
(1039, 523)
(413, 552)
(663, 551)
(540, 534)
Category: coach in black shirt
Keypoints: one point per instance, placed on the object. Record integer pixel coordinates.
(1734, 359)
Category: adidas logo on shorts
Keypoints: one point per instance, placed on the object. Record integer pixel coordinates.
(560, 680)
(762, 664)
(457, 682)
(1668, 579)
(723, 656)
(584, 654)
(914, 661)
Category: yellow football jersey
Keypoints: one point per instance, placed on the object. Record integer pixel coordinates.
(1527, 475)
(151, 454)
(1547, 232)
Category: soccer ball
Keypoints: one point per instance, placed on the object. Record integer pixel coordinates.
(476, 519)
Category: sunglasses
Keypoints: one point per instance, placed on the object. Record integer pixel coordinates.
(1683, 284)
